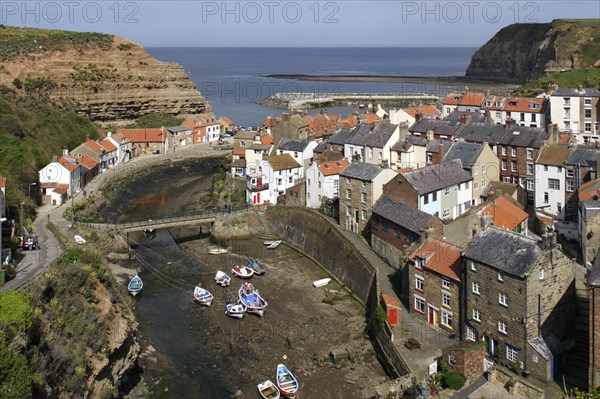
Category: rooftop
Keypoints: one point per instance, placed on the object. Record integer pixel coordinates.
(435, 177)
(439, 127)
(297, 145)
(441, 257)
(361, 171)
(340, 137)
(360, 135)
(554, 154)
(481, 133)
(282, 162)
(466, 152)
(521, 136)
(575, 92)
(381, 135)
(586, 157)
(405, 216)
(333, 168)
(504, 212)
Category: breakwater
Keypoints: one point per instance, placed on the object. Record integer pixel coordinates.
(316, 100)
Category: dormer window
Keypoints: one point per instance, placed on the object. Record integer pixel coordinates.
(498, 103)
(488, 103)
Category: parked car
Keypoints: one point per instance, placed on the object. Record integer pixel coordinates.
(31, 243)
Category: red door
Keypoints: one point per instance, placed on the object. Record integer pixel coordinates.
(257, 198)
(431, 316)
(392, 317)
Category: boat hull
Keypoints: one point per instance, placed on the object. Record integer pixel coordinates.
(268, 390)
(242, 272)
(135, 286)
(286, 382)
(322, 282)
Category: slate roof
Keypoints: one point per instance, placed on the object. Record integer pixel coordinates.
(441, 127)
(320, 148)
(435, 177)
(456, 116)
(482, 133)
(361, 171)
(283, 161)
(573, 92)
(244, 135)
(504, 250)
(435, 145)
(414, 140)
(521, 136)
(381, 135)
(553, 155)
(297, 145)
(340, 137)
(594, 277)
(466, 152)
(584, 157)
(359, 135)
(410, 218)
(175, 129)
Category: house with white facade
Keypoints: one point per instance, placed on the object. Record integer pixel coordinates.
(300, 149)
(60, 179)
(380, 141)
(123, 144)
(467, 102)
(179, 136)
(255, 153)
(354, 146)
(521, 111)
(271, 178)
(409, 153)
(322, 181)
(550, 179)
(577, 110)
(205, 128)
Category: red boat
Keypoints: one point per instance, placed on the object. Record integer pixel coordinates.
(242, 271)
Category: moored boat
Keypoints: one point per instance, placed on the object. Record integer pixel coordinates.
(235, 310)
(270, 242)
(135, 285)
(286, 382)
(321, 282)
(79, 240)
(268, 390)
(242, 271)
(222, 279)
(202, 296)
(218, 251)
(251, 299)
(274, 244)
(256, 266)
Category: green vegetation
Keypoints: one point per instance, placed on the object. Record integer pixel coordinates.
(15, 310)
(156, 119)
(92, 78)
(22, 41)
(380, 316)
(587, 77)
(447, 378)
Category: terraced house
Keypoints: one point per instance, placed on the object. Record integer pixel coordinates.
(520, 298)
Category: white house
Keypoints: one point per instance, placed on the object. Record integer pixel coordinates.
(379, 142)
(409, 153)
(60, 179)
(271, 178)
(300, 149)
(550, 179)
(205, 128)
(123, 145)
(354, 146)
(322, 181)
(577, 110)
(522, 111)
(255, 153)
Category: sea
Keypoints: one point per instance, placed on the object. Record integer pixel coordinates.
(234, 79)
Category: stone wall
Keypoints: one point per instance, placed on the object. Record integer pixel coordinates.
(467, 358)
(594, 377)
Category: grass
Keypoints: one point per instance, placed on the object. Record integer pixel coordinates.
(587, 77)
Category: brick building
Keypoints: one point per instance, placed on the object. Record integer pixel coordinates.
(520, 298)
(594, 297)
(581, 167)
(465, 357)
(589, 220)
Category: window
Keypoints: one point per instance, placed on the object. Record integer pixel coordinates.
(522, 116)
(348, 194)
(446, 213)
(451, 360)
(587, 101)
(541, 274)
(530, 153)
(475, 185)
(429, 158)
(588, 113)
(319, 197)
(472, 265)
(476, 315)
(513, 152)
(558, 207)
(567, 113)
(363, 198)
(570, 185)
(364, 215)
(471, 334)
(483, 167)
(419, 283)
(545, 168)
(511, 354)
(530, 185)
(475, 288)
(502, 328)
(446, 318)
(546, 198)
(500, 277)
(420, 262)
(498, 114)
(446, 298)
(347, 182)
(295, 155)
(529, 168)
(559, 169)
(419, 304)
(513, 166)
(434, 196)
(426, 199)
(483, 183)
(570, 173)
(533, 117)
(588, 127)
(503, 150)
(445, 283)
(397, 234)
(567, 100)
(363, 184)
(308, 195)
(466, 186)
(447, 191)
(502, 299)
(348, 211)
(370, 153)
(385, 226)
(554, 184)
(503, 165)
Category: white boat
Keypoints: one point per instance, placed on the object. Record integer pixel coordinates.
(322, 282)
(222, 279)
(218, 251)
(268, 390)
(135, 285)
(251, 299)
(286, 382)
(274, 244)
(242, 271)
(270, 242)
(202, 296)
(79, 240)
(235, 310)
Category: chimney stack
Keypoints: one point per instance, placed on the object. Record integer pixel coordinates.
(65, 151)
(430, 135)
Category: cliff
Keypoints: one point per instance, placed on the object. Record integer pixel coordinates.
(111, 79)
(522, 52)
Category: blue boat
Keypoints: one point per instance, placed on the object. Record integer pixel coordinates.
(251, 299)
(286, 382)
(135, 285)
(256, 266)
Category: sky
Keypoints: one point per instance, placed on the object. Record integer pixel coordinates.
(274, 23)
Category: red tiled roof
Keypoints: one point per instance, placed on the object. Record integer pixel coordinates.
(2, 181)
(227, 120)
(411, 112)
(452, 99)
(155, 135)
(108, 145)
(524, 104)
(472, 98)
(442, 257)
(69, 163)
(94, 146)
(267, 122)
(200, 121)
(266, 139)
(389, 300)
(428, 110)
(239, 151)
(590, 189)
(505, 213)
(333, 168)
(370, 117)
(61, 189)
(87, 162)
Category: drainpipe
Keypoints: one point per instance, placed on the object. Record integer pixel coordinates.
(592, 354)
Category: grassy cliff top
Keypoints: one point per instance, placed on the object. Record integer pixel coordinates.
(22, 41)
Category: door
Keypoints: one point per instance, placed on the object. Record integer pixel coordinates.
(433, 316)
(392, 317)
(491, 345)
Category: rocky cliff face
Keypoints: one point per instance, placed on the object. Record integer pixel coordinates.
(112, 82)
(522, 52)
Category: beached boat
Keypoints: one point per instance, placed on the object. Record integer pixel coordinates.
(222, 279)
(268, 390)
(242, 271)
(274, 245)
(256, 266)
(251, 299)
(322, 282)
(218, 251)
(135, 285)
(270, 242)
(286, 382)
(79, 240)
(235, 310)
(202, 296)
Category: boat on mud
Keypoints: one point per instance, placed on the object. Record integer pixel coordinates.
(268, 390)
(222, 279)
(322, 282)
(256, 266)
(251, 299)
(235, 310)
(242, 271)
(274, 245)
(79, 240)
(270, 242)
(218, 251)
(135, 285)
(202, 296)
(286, 382)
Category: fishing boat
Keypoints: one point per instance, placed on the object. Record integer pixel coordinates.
(222, 279)
(202, 296)
(268, 390)
(79, 240)
(218, 251)
(251, 299)
(274, 244)
(270, 242)
(242, 271)
(322, 282)
(135, 285)
(256, 266)
(235, 310)
(286, 382)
